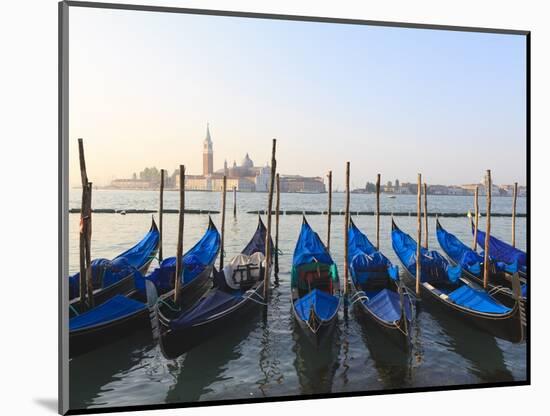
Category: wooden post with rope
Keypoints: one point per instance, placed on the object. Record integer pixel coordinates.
(85, 233)
(514, 214)
(487, 231)
(277, 208)
(222, 241)
(329, 208)
(161, 209)
(425, 215)
(268, 233)
(378, 211)
(346, 227)
(418, 233)
(179, 249)
(235, 201)
(88, 239)
(476, 216)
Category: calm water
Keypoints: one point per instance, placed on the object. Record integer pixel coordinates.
(265, 356)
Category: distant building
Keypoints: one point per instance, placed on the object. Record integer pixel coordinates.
(207, 154)
(295, 183)
(244, 177)
(131, 184)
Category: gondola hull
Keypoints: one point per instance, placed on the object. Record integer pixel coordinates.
(505, 297)
(177, 342)
(323, 329)
(87, 339)
(508, 326)
(398, 334)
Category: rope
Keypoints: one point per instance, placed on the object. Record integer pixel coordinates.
(497, 289)
(249, 297)
(360, 298)
(72, 308)
(168, 305)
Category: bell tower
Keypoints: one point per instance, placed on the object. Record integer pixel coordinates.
(207, 154)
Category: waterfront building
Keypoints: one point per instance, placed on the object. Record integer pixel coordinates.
(244, 177)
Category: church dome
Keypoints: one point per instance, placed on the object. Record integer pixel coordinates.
(247, 162)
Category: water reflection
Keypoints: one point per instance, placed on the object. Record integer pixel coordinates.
(478, 348)
(206, 364)
(90, 372)
(393, 364)
(315, 367)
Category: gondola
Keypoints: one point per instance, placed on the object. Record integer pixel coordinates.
(500, 277)
(315, 287)
(378, 295)
(238, 289)
(442, 284)
(124, 314)
(503, 252)
(116, 276)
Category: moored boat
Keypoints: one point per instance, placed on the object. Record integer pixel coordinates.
(116, 276)
(315, 287)
(378, 295)
(502, 252)
(443, 285)
(237, 291)
(125, 313)
(471, 262)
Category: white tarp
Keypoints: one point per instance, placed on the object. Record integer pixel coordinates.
(241, 261)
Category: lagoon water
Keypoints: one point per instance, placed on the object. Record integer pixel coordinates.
(265, 356)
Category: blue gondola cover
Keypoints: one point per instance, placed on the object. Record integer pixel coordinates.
(477, 299)
(309, 250)
(503, 252)
(117, 307)
(433, 265)
(459, 252)
(107, 272)
(386, 305)
(219, 301)
(324, 305)
(202, 254)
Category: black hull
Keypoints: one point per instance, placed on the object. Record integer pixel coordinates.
(189, 294)
(507, 327)
(175, 343)
(86, 340)
(399, 335)
(323, 333)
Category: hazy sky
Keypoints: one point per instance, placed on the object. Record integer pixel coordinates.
(391, 100)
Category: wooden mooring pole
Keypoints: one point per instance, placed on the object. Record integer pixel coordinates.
(346, 228)
(161, 209)
(277, 208)
(514, 214)
(329, 209)
(426, 215)
(179, 249)
(222, 245)
(476, 216)
(268, 233)
(235, 201)
(487, 231)
(378, 211)
(418, 233)
(89, 283)
(85, 282)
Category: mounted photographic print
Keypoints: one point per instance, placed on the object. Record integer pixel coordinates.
(265, 207)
